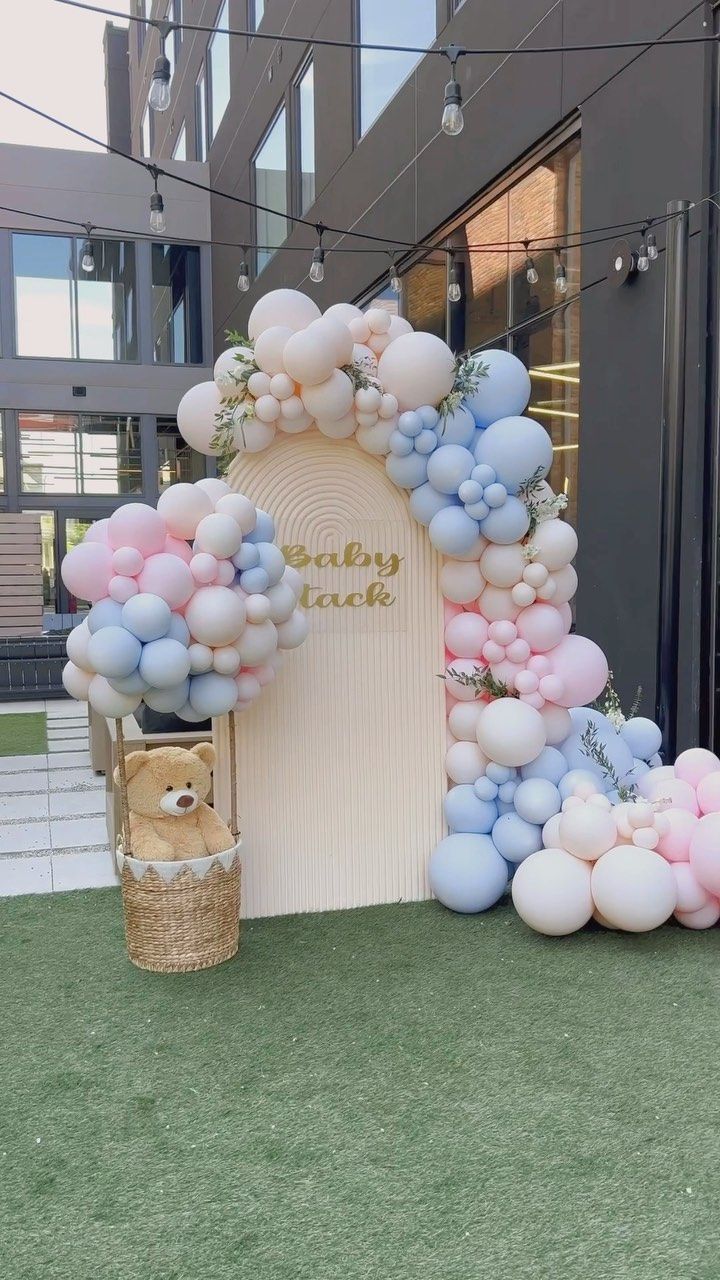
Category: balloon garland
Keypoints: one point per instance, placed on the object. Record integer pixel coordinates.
(569, 803)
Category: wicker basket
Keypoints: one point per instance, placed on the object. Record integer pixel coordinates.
(181, 916)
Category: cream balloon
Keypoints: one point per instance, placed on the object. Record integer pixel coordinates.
(77, 681)
(230, 367)
(294, 417)
(555, 542)
(108, 702)
(510, 732)
(293, 632)
(286, 307)
(551, 892)
(269, 348)
(337, 336)
(398, 326)
(282, 386)
(250, 435)
(418, 368)
(267, 409)
(376, 440)
(566, 583)
(196, 416)
(558, 725)
(331, 399)
(239, 507)
(182, 507)
(258, 384)
(463, 720)
(464, 762)
(503, 566)
(310, 356)
(341, 429)
(215, 616)
(366, 360)
(461, 581)
(496, 604)
(587, 831)
(343, 311)
(634, 888)
(76, 646)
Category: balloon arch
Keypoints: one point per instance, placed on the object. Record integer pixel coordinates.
(571, 803)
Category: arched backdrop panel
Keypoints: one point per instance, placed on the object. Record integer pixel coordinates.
(340, 762)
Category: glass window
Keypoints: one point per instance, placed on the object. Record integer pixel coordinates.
(176, 460)
(306, 136)
(175, 14)
(270, 189)
(176, 307)
(49, 558)
(146, 132)
(546, 203)
(425, 291)
(79, 453)
(64, 312)
(484, 311)
(180, 150)
(219, 71)
(256, 12)
(200, 118)
(401, 22)
(2, 457)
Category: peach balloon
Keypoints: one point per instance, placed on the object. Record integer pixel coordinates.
(330, 399)
(376, 440)
(343, 311)
(704, 853)
(282, 307)
(693, 765)
(677, 793)
(340, 428)
(691, 896)
(587, 831)
(674, 845)
(556, 543)
(464, 762)
(269, 348)
(461, 582)
(466, 634)
(463, 720)
(418, 368)
(496, 603)
(503, 566)
(309, 357)
(705, 918)
(708, 793)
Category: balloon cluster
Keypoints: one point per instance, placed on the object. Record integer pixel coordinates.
(192, 605)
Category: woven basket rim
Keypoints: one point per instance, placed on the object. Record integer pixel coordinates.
(175, 866)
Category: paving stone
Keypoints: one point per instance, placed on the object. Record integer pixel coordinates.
(77, 833)
(25, 875)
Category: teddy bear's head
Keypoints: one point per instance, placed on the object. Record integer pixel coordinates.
(169, 781)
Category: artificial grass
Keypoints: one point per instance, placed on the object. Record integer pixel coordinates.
(395, 1093)
(23, 733)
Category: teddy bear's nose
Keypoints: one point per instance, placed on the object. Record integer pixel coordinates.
(184, 802)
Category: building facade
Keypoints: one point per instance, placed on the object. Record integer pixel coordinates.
(554, 144)
(100, 337)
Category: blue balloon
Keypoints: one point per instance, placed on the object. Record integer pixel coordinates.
(506, 524)
(639, 768)
(106, 613)
(506, 791)
(467, 873)
(655, 760)
(400, 444)
(410, 423)
(516, 839)
(550, 764)
(409, 472)
(168, 700)
(457, 427)
(133, 683)
(429, 416)
(485, 788)
(254, 581)
(503, 393)
(248, 557)
(448, 466)
(113, 652)
(536, 800)
(264, 530)
(425, 502)
(505, 807)
(567, 785)
(212, 694)
(453, 532)
(516, 449)
(147, 616)
(426, 441)
(179, 629)
(617, 752)
(642, 736)
(499, 773)
(465, 812)
(272, 561)
(164, 664)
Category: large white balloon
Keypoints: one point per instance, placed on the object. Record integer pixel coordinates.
(309, 356)
(230, 367)
(282, 306)
(291, 633)
(215, 616)
(418, 368)
(634, 889)
(551, 892)
(250, 435)
(461, 581)
(257, 643)
(77, 681)
(182, 507)
(240, 508)
(196, 416)
(108, 702)
(343, 311)
(219, 534)
(511, 732)
(330, 400)
(555, 542)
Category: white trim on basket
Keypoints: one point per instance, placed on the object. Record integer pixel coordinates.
(170, 869)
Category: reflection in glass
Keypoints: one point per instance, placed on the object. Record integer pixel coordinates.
(79, 453)
(484, 312)
(401, 22)
(425, 288)
(550, 349)
(257, 10)
(306, 131)
(270, 169)
(146, 133)
(176, 460)
(180, 152)
(546, 203)
(200, 119)
(47, 544)
(64, 312)
(219, 64)
(176, 307)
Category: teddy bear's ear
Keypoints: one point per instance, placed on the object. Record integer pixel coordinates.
(133, 764)
(206, 752)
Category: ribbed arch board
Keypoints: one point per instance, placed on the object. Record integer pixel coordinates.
(340, 761)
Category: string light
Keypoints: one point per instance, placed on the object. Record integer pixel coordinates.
(652, 249)
(531, 274)
(317, 267)
(243, 281)
(643, 260)
(394, 280)
(87, 261)
(452, 117)
(454, 292)
(159, 95)
(561, 283)
(157, 206)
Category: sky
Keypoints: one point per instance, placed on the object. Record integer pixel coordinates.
(52, 56)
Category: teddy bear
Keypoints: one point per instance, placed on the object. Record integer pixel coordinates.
(166, 791)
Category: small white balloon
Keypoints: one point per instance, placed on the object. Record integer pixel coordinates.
(201, 659)
(230, 368)
(378, 320)
(257, 643)
(219, 534)
(291, 634)
(267, 409)
(240, 508)
(282, 386)
(196, 416)
(77, 681)
(269, 349)
(259, 384)
(226, 660)
(258, 608)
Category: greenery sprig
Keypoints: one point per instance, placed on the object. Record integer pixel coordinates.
(592, 747)
(481, 680)
(468, 372)
(609, 704)
(359, 378)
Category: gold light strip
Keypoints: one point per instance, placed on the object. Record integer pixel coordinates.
(554, 377)
(552, 413)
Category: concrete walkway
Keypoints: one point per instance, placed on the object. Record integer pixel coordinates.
(53, 835)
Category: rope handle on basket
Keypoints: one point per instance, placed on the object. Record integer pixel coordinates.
(125, 809)
(233, 772)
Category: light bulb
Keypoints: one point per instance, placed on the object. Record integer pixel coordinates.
(452, 117)
(317, 269)
(395, 282)
(531, 274)
(560, 279)
(243, 283)
(159, 96)
(157, 213)
(454, 292)
(88, 257)
(643, 261)
(652, 249)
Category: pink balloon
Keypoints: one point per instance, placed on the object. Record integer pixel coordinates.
(226, 573)
(264, 675)
(87, 570)
(695, 764)
(127, 561)
(674, 845)
(168, 577)
(177, 547)
(566, 614)
(582, 667)
(648, 780)
(121, 589)
(137, 525)
(708, 793)
(705, 918)
(542, 626)
(465, 635)
(98, 532)
(705, 852)
(691, 896)
(679, 794)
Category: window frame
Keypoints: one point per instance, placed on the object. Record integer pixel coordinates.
(176, 364)
(181, 136)
(358, 132)
(253, 22)
(201, 119)
(295, 138)
(289, 210)
(212, 127)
